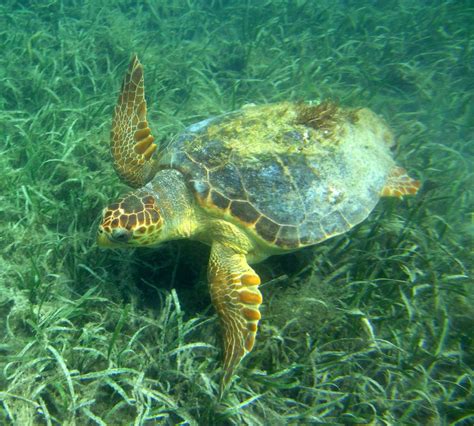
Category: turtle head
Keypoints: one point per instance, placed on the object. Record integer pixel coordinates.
(134, 220)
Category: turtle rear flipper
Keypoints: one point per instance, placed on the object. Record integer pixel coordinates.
(400, 184)
(131, 142)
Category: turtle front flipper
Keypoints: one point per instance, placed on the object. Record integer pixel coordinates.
(131, 141)
(236, 297)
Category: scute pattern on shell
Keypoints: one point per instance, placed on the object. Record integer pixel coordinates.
(293, 178)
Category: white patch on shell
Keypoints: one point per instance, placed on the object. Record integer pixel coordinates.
(334, 194)
(196, 127)
(200, 186)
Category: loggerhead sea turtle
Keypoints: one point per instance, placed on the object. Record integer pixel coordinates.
(252, 183)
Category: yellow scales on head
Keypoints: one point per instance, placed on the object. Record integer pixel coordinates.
(253, 183)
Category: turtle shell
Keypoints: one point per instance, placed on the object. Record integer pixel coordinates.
(294, 174)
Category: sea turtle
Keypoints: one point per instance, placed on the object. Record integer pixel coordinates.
(252, 183)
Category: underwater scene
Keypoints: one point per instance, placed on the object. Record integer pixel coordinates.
(332, 284)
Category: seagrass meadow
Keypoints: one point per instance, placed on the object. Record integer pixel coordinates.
(372, 327)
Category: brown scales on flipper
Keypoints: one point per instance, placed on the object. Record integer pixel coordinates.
(400, 184)
(286, 190)
(236, 298)
(131, 140)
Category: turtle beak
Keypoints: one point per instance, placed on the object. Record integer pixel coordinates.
(118, 238)
(120, 235)
(103, 240)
